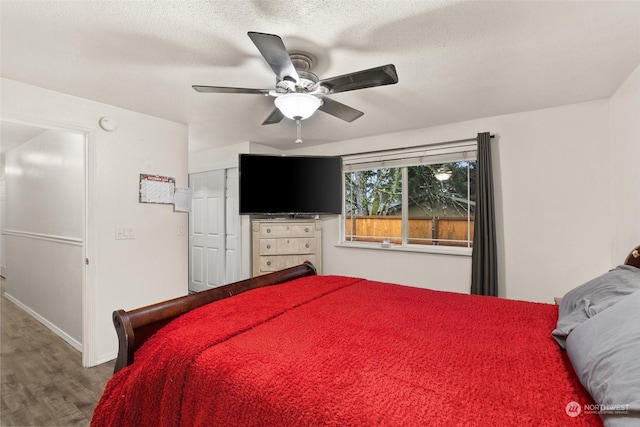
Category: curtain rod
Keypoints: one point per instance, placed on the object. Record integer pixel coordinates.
(415, 147)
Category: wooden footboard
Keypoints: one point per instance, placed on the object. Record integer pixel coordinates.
(136, 326)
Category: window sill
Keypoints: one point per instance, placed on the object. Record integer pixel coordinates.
(443, 250)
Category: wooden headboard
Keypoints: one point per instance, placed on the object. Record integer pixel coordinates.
(136, 326)
(634, 257)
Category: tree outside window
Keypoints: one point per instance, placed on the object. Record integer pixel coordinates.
(423, 204)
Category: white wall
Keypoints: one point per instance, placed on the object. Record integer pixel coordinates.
(50, 169)
(44, 225)
(552, 205)
(3, 196)
(625, 167)
(225, 157)
(122, 273)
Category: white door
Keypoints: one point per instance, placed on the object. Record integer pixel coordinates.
(207, 231)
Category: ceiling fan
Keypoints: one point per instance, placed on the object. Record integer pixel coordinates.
(298, 92)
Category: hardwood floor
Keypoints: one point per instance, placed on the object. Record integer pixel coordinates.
(43, 381)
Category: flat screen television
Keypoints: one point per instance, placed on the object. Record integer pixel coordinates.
(290, 185)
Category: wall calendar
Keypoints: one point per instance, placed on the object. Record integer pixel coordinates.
(157, 189)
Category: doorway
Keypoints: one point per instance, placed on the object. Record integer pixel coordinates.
(43, 222)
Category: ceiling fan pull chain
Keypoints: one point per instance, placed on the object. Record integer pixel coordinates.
(299, 131)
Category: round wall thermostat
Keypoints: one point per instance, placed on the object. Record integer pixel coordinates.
(107, 123)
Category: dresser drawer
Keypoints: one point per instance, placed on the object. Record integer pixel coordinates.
(284, 246)
(275, 263)
(275, 229)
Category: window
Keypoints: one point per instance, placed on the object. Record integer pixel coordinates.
(419, 198)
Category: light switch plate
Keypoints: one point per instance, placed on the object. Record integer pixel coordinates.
(124, 233)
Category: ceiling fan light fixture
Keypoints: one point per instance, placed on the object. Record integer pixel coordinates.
(297, 106)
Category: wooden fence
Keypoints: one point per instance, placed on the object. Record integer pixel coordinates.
(423, 230)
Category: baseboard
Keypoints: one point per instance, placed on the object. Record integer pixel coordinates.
(107, 358)
(59, 332)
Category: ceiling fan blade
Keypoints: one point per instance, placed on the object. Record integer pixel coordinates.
(379, 76)
(276, 116)
(223, 89)
(275, 53)
(339, 110)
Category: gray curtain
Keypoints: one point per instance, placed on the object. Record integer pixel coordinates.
(484, 263)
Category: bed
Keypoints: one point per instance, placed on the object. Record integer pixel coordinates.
(293, 348)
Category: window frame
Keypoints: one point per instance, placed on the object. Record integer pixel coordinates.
(404, 158)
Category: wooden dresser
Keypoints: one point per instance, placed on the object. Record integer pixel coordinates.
(282, 243)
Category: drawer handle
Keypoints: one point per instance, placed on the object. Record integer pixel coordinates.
(268, 246)
(306, 246)
(268, 262)
(268, 230)
(306, 230)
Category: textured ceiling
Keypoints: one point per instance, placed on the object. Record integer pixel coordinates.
(455, 60)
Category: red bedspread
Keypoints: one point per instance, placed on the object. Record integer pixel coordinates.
(338, 351)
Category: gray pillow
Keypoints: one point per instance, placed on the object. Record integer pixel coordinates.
(591, 298)
(605, 353)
